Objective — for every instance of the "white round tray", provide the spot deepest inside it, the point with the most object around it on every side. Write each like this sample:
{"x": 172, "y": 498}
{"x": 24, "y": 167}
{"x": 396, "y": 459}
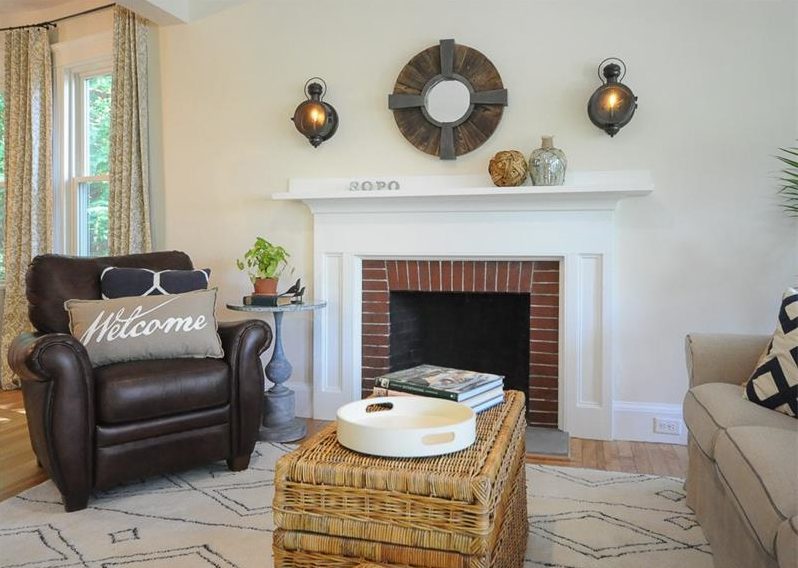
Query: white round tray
{"x": 415, "y": 426}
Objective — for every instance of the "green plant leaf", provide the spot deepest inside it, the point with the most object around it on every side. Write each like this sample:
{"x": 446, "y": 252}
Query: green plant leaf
{"x": 264, "y": 260}
{"x": 789, "y": 179}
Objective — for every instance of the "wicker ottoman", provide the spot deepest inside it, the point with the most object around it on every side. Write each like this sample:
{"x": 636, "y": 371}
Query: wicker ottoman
{"x": 334, "y": 507}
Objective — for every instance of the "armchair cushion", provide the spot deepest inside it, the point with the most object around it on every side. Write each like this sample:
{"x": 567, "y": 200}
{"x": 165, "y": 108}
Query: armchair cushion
{"x": 142, "y": 390}
{"x": 120, "y": 282}
{"x": 147, "y": 327}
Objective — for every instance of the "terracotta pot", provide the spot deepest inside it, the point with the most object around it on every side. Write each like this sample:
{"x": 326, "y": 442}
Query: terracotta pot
{"x": 266, "y": 286}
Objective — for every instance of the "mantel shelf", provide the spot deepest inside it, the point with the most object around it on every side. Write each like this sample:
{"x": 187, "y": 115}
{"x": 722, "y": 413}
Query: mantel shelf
{"x": 582, "y": 191}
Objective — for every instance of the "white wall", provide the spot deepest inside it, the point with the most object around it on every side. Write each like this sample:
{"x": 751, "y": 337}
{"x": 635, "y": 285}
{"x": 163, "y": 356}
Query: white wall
{"x": 709, "y": 251}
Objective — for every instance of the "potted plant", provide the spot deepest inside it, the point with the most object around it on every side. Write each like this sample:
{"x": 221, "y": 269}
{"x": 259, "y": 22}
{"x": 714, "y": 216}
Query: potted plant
{"x": 264, "y": 262}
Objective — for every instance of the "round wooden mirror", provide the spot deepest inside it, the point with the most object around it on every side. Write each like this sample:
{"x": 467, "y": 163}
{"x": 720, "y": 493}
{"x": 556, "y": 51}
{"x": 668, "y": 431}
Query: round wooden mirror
{"x": 448, "y": 100}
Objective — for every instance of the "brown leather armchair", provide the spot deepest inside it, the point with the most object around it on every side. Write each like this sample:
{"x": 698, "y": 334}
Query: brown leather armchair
{"x": 97, "y": 427}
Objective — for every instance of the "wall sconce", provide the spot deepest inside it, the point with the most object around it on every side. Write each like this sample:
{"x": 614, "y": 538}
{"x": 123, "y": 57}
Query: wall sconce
{"x": 314, "y": 118}
{"x": 613, "y": 104}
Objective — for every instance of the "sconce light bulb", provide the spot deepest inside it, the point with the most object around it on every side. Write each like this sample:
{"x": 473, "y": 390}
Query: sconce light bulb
{"x": 317, "y": 117}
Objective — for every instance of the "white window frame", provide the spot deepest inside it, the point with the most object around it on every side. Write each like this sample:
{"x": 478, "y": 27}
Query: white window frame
{"x": 74, "y": 62}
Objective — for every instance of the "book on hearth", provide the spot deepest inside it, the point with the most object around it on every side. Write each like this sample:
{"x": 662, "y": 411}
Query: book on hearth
{"x": 440, "y": 382}
{"x": 478, "y": 402}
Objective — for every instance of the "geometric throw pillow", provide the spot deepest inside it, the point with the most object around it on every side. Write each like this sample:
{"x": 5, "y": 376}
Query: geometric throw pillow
{"x": 147, "y": 327}
{"x": 774, "y": 383}
{"x": 121, "y": 282}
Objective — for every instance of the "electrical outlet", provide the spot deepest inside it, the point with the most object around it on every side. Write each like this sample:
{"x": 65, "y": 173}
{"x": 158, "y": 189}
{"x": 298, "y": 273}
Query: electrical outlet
{"x": 670, "y": 426}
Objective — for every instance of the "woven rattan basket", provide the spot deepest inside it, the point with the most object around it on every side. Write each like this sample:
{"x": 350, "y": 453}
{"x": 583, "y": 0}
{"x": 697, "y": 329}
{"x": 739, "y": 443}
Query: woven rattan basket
{"x": 335, "y": 507}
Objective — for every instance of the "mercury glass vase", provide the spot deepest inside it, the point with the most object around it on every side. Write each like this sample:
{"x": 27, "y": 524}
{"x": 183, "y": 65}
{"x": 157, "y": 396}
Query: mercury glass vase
{"x": 547, "y": 164}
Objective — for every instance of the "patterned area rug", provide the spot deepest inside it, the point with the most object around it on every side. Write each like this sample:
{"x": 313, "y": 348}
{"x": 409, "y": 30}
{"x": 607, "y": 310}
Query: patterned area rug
{"x": 210, "y": 517}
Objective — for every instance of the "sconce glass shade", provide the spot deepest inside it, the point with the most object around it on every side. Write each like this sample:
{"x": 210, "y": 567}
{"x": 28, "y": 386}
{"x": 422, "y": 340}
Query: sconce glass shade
{"x": 313, "y": 118}
{"x": 613, "y": 104}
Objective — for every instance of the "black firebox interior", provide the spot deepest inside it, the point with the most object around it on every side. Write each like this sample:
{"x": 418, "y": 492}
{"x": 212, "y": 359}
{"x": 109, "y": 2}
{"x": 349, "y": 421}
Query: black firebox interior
{"x": 478, "y": 332}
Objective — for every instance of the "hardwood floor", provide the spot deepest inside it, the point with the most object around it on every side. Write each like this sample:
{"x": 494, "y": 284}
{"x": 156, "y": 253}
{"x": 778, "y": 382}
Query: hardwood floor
{"x": 631, "y": 457}
{"x": 18, "y": 469}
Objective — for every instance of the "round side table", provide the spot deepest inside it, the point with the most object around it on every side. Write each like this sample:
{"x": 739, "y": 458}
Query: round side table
{"x": 280, "y": 423}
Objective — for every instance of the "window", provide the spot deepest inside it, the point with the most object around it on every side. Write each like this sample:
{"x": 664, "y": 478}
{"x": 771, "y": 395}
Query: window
{"x": 81, "y": 143}
{"x": 92, "y": 120}
{"x": 92, "y": 175}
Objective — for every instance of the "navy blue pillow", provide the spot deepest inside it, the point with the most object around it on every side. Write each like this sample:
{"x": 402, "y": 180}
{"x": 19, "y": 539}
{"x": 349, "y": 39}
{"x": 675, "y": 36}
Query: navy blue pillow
{"x": 125, "y": 282}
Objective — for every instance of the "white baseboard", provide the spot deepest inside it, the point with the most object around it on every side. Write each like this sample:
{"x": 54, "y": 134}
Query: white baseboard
{"x": 634, "y": 421}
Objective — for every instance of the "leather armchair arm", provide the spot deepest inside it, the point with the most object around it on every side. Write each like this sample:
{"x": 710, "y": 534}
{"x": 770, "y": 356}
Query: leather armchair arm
{"x": 243, "y": 343}
{"x": 58, "y": 391}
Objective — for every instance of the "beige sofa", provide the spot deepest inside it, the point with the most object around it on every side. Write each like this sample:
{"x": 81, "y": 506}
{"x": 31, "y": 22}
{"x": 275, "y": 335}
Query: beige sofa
{"x": 742, "y": 480}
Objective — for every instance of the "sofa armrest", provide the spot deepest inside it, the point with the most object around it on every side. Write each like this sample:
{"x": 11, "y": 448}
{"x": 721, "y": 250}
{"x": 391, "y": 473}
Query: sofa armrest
{"x": 722, "y": 357}
{"x": 243, "y": 343}
{"x": 58, "y": 392}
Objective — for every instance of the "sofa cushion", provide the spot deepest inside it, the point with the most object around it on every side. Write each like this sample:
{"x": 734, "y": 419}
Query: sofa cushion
{"x": 758, "y": 466}
{"x": 141, "y": 390}
{"x": 787, "y": 544}
{"x": 712, "y": 407}
{"x": 774, "y": 383}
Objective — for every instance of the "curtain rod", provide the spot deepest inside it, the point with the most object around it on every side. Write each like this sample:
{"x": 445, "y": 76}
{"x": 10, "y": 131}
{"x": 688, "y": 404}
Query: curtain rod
{"x": 52, "y": 23}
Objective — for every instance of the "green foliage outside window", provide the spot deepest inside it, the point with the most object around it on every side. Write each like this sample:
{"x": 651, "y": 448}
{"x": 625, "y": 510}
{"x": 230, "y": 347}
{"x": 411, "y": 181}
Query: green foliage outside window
{"x": 98, "y": 89}
{"x": 97, "y": 218}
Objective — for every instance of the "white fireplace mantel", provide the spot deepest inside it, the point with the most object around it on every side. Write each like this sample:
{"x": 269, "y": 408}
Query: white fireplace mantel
{"x": 462, "y": 217}
{"x": 586, "y": 191}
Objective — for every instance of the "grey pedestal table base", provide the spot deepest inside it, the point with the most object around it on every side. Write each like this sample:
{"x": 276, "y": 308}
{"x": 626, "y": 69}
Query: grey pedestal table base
{"x": 280, "y": 423}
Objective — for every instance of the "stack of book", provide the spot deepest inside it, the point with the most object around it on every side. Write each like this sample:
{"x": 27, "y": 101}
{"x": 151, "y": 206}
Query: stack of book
{"x": 266, "y": 300}
{"x": 480, "y": 391}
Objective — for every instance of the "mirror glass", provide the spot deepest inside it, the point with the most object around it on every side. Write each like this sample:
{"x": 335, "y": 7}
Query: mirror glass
{"x": 448, "y": 101}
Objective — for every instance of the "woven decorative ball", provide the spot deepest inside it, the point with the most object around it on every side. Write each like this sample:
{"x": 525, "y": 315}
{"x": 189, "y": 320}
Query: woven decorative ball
{"x": 508, "y": 168}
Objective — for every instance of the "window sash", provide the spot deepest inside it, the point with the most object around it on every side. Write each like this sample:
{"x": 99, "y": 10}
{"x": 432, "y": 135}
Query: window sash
{"x": 83, "y": 229}
{"x": 72, "y": 168}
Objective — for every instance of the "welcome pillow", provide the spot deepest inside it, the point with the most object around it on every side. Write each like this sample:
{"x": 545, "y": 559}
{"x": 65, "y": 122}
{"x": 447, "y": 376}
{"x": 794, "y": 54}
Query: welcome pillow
{"x": 774, "y": 383}
{"x": 147, "y": 327}
{"x": 118, "y": 282}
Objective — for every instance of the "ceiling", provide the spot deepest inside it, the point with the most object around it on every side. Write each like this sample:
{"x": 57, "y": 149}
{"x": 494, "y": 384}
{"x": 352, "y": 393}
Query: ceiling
{"x": 15, "y": 6}
{"x": 161, "y": 12}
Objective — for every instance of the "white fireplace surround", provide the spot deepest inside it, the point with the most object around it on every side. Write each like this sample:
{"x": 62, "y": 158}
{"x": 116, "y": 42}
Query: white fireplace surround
{"x": 463, "y": 217}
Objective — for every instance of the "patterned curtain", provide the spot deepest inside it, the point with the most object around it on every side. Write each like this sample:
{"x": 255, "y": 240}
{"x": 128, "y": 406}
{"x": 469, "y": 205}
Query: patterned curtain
{"x": 129, "y": 203}
{"x": 28, "y": 144}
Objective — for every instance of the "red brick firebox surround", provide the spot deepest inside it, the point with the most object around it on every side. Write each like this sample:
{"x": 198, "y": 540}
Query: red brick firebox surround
{"x": 539, "y": 278}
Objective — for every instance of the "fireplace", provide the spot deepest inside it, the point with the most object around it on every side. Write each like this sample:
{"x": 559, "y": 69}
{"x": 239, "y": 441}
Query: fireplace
{"x": 495, "y": 316}
{"x": 486, "y": 234}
